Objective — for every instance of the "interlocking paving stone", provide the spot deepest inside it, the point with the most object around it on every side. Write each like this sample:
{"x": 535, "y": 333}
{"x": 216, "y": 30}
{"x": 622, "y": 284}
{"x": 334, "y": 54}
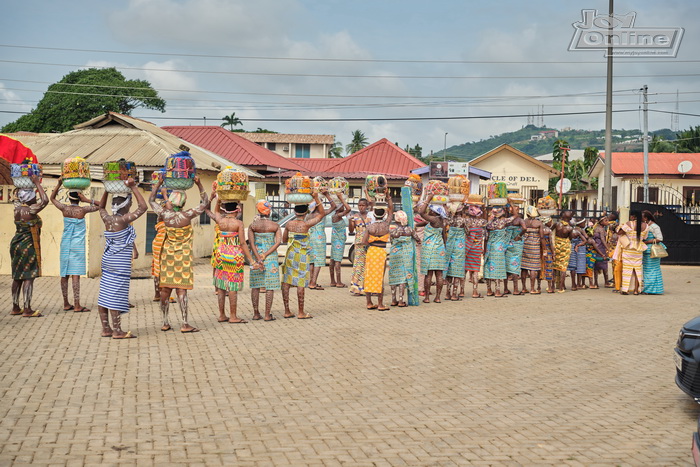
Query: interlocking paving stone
{"x": 581, "y": 378}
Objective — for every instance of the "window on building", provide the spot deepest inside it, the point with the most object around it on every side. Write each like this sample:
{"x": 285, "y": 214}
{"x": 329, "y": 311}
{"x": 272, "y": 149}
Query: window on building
{"x": 302, "y": 151}
{"x": 653, "y": 194}
{"x": 272, "y": 146}
{"x": 204, "y": 219}
{"x": 532, "y": 194}
{"x": 272, "y": 189}
{"x": 355, "y": 191}
{"x": 691, "y": 195}
{"x": 614, "y": 198}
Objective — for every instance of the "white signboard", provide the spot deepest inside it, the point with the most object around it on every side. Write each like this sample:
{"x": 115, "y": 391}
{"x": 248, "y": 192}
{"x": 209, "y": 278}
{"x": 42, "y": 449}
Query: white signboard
{"x": 458, "y": 168}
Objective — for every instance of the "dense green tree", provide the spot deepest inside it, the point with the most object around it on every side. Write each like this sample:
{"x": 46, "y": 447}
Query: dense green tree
{"x": 85, "y": 94}
{"x": 231, "y": 121}
{"x": 689, "y": 140}
{"x": 415, "y": 151}
{"x": 359, "y": 141}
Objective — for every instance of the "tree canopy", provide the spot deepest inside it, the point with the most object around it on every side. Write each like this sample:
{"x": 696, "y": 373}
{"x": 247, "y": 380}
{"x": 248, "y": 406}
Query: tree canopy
{"x": 359, "y": 141}
{"x": 231, "y": 121}
{"x": 84, "y": 94}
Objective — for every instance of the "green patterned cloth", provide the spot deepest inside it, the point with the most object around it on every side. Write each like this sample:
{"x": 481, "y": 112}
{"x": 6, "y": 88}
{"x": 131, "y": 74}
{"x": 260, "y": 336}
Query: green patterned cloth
{"x": 295, "y": 269}
{"x": 269, "y": 278}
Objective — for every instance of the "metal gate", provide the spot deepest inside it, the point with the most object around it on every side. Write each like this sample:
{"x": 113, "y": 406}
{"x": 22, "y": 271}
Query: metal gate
{"x": 681, "y": 237}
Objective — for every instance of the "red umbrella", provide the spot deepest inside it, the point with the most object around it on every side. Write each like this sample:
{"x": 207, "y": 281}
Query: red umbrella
{"x": 15, "y": 152}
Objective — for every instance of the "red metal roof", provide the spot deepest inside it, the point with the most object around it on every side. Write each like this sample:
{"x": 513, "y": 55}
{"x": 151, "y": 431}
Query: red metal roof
{"x": 361, "y": 176}
{"x": 660, "y": 163}
{"x": 231, "y": 146}
{"x": 382, "y": 157}
{"x": 318, "y": 165}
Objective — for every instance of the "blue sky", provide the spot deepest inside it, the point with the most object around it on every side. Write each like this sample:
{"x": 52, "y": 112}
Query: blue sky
{"x": 510, "y": 40}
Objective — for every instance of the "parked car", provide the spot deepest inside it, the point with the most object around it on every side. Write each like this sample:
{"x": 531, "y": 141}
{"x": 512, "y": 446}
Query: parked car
{"x": 349, "y": 251}
{"x": 687, "y": 358}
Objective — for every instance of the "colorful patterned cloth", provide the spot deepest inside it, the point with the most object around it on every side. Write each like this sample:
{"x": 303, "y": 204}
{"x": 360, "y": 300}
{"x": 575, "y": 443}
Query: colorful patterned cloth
{"x": 547, "y": 273}
{"x": 157, "y": 248}
{"x": 358, "y": 266}
{"x": 532, "y": 250}
{"x": 401, "y": 260}
{"x": 25, "y": 250}
{"x": 495, "y": 257}
{"x": 601, "y": 263}
{"x": 228, "y": 262}
{"x": 295, "y": 269}
{"x": 339, "y": 235}
{"x": 455, "y": 251}
{"x": 562, "y": 253}
{"x": 577, "y": 259}
{"x": 433, "y": 253}
{"x": 590, "y": 261}
{"x": 375, "y": 265}
{"x": 474, "y": 246}
{"x": 116, "y": 270}
{"x": 514, "y": 252}
{"x": 269, "y": 278}
{"x": 632, "y": 256}
{"x": 176, "y": 259}
{"x": 653, "y": 280}
{"x": 317, "y": 241}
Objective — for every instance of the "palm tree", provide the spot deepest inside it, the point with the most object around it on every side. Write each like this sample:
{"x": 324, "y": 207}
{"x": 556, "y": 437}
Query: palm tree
{"x": 231, "y": 121}
{"x": 336, "y": 151}
{"x": 359, "y": 141}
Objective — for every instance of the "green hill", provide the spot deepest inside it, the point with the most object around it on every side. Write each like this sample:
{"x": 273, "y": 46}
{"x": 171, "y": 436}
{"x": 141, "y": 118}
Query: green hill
{"x": 623, "y": 140}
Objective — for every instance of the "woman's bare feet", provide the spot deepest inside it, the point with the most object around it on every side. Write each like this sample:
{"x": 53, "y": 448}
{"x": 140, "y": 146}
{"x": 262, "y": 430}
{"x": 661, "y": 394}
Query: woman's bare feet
{"x": 188, "y": 328}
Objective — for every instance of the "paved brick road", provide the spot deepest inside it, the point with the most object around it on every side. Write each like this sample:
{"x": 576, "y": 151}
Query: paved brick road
{"x": 580, "y": 378}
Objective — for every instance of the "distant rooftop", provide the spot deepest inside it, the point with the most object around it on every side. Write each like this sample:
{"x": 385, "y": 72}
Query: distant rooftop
{"x": 287, "y": 138}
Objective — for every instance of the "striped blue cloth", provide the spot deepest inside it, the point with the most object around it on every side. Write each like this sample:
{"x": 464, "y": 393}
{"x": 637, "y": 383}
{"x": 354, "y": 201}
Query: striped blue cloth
{"x": 116, "y": 270}
{"x": 73, "y": 247}
{"x": 651, "y": 271}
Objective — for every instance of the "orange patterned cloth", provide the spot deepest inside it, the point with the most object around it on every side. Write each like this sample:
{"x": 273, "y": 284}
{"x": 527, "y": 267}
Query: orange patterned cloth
{"x": 374, "y": 265}
{"x": 176, "y": 259}
{"x": 157, "y": 248}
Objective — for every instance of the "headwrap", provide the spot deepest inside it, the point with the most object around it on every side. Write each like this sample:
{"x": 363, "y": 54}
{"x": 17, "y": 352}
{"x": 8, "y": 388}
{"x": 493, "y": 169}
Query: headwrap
{"x": 545, "y": 219}
{"x": 25, "y": 195}
{"x": 178, "y": 198}
{"x": 263, "y": 207}
{"x": 580, "y": 221}
{"x": 474, "y": 211}
{"x": 439, "y": 209}
{"x": 117, "y": 206}
{"x": 401, "y": 217}
{"x": 532, "y": 212}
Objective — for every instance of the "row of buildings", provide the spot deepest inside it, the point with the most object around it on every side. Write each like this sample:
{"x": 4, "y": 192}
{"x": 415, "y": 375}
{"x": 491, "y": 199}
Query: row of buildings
{"x": 270, "y": 158}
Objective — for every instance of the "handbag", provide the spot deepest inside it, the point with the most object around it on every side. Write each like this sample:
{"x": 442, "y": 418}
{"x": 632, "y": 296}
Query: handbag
{"x": 658, "y": 251}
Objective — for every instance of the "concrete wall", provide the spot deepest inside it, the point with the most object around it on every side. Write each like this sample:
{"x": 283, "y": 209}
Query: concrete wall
{"x": 515, "y": 171}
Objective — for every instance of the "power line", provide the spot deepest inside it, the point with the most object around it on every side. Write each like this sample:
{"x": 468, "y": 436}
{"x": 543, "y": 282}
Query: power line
{"x": 322, "y": 75}
{"x": 324, "y": 59}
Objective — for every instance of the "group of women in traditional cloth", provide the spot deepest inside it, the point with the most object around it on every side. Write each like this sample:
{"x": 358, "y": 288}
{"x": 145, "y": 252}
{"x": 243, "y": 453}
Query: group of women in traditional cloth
{"x": 450, "y": 245}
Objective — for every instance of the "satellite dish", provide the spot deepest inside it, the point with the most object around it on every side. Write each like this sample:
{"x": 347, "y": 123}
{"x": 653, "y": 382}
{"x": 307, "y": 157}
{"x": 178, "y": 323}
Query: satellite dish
{"x": 563, "y": 185}
{"x": 685, "y": 167}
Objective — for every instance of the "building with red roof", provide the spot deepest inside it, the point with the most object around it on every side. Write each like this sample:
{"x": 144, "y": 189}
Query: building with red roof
{"x": 674, "y": 178}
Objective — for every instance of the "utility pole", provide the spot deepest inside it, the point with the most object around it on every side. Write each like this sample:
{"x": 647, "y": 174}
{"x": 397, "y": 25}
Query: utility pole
{"x": 645, "y": 111}
{"x": 444, "y": 152}
{"x": 607, "y": 178}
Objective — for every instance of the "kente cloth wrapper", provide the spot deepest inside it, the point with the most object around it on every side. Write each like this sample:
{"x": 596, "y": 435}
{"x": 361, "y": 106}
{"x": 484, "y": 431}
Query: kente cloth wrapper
{"x": 357, "y": 281}
{"x": 339, "y": 235}
{"x": 228, "y": 261}
{"x": 176, "y": 259}
{"x": 317, "y": 239}
{"x": 651, "y": 267}
{"x": 495, "y": 257}
{"x": 269, "y": 278}
{"x": 474, "y": 248}
{"x": 577, "y": 260}
{"x": 433, "y": 254}
{"x": 632, "y": 257}
{"x": 562, "y": 253}
{"x": 401, "y": 261}
{"x": 412, "y": 288}
{"x": 547, "y": 272}
{"x": 375, "y": 265}
{"x": 157, "y": 248}
{"x": 514, "y": 252}
{"x": 25, "y": 250}
{"x": 295, "y": 269}
{"x": 72, "y": 258}
{"x": 455, "y": 252}
{"x": 116, "y": 270}
{"x": 532, "y": 250}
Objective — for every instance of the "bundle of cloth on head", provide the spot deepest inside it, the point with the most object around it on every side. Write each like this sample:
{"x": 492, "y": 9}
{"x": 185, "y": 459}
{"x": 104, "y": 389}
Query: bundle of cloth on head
{"x": 264, "y": 207}
{"x": 118, "y": 203}
{"x": 545, "y": 219}
{"x": 439, "y": 209}
{"x": 401, "y": 217}
{"x": 532, "y": 212}
{"x": 25, "y": 195}
{"x": 178, "y": 198}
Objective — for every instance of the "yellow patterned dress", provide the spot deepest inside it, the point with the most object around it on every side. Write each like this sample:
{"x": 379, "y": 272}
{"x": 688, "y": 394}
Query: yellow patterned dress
{"x": 176, "y": 259}
{"x": 375, "y": 264}
{"x": 157, "y": 248}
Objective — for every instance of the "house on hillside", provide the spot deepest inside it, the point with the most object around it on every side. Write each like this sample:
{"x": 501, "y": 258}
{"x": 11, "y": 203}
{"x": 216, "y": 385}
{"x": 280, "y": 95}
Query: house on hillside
{"x": 293, "y": 146}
